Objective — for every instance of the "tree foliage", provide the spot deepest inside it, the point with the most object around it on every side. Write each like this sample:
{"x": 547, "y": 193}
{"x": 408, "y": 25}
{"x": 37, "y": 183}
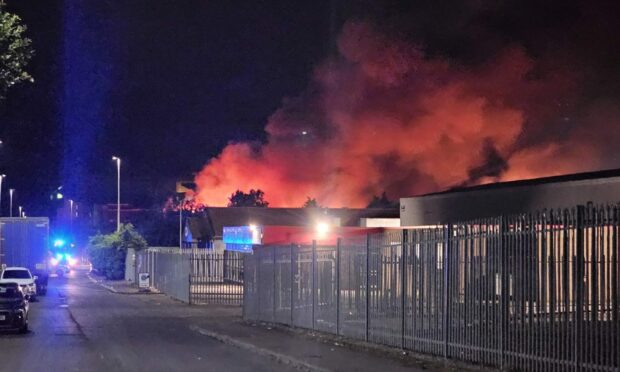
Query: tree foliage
{"x": 15, "y": 51}
{"x": 382, "y": 202}
{"x": 255, "y": 198}
{"x": 107, "y": 252}
{"x": 159, "y": 228}
{"x": 311, "y": 203}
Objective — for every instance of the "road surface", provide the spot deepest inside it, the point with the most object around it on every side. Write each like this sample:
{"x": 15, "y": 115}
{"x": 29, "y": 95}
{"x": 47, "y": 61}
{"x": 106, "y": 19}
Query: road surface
{"x": 80, "y": 326}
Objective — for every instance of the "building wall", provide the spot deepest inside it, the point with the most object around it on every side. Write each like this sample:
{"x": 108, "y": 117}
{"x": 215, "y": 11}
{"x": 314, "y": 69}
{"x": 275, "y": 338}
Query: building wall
{"x": 380, "y": 222}
{"x": 466, "y": 205}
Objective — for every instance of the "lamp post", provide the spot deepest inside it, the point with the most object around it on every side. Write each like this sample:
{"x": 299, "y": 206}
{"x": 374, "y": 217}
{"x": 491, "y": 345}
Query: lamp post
{"x": 118, "y": 192}
{"x": 20, "y": 211}
{"x": 11, "y": 191}
{"x": 71, "y": 216}
{"x": 2, "y": 176}
{"x": 181, "y": 225}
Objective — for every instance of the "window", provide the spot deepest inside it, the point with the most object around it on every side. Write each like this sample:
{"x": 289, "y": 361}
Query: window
{"x": 16, "y": 274}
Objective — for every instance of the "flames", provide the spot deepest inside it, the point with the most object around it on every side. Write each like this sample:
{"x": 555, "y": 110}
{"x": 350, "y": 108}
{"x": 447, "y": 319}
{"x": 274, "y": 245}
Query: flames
{"x": 383, "y": 116}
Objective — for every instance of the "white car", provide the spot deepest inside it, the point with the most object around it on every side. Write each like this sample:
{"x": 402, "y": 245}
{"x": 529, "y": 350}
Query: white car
{"x": 23, "y": 278}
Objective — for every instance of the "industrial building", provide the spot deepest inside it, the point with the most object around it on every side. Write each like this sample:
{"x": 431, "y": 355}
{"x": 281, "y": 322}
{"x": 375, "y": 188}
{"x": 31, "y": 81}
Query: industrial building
{"x": 207, "y": 231}
{"x": 505, "y": 198}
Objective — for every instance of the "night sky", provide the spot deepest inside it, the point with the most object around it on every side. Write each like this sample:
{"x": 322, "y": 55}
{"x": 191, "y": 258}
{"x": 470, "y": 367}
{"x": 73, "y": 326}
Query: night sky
{"x": 166, "y": 85}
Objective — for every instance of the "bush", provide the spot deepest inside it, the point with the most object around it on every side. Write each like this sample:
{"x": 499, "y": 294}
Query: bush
{"x": 107, "y": 253}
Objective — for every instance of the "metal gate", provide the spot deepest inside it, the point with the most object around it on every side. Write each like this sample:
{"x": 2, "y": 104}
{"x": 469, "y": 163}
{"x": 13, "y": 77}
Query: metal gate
{"x": 195, "y": 276}
{"x": 216, "y": 278}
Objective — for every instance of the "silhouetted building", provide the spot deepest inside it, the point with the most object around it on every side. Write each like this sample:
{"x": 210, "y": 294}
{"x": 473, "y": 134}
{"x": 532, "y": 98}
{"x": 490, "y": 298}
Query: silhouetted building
{"x": 207, "y": 230}
{"x": 491, "y": 200}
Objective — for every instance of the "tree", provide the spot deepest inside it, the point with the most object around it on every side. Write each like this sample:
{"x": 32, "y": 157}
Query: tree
{"x": 382, "y": 202}
{"x": 255, "y": 198}
{"x": 311, "y": 203}
{"x": 107, "y": 252}
{"x": 15, "y": 51}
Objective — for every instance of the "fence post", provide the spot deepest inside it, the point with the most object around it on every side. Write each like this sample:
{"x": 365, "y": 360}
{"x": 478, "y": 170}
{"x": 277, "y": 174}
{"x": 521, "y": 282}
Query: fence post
{"x": 245, "y": 292}
{"x": 338, "y": 252}
{"x": 292, "y": 284}
{"x": 504, "y": 288}
{"x": 403, "y": 292}
{"x": 224, "y": 266}
{"x": 614, "y": 288}
{"x": 274, "y": 284}
{"x": 367, "y": 287}
{"x": 580, "y": 235}
{"x": 313, "y": 283}
{"x": 189, "y": 289}
{"x": 258, "y": 253}
{"x": 447, "y": 242}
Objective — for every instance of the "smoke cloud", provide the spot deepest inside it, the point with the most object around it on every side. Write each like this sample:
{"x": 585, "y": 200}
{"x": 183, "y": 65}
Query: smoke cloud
{"x": 383, "y": 116}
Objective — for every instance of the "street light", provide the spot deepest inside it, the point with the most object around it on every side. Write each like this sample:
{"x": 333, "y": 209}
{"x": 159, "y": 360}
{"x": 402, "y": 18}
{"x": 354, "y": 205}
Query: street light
{"x": 2, "y": 176}
{"x": 20, "y": 211}
{"x": 11, "y": 191}
{"x": 71, "y": 215}
{"x": 118, "y": 192}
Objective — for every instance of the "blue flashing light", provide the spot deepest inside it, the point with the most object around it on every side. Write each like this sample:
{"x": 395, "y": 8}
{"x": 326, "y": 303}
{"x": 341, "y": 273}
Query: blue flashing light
{"x": 59, "y": 256}
{"x": 59, "y": 243}
{"x": 245, "y": 235}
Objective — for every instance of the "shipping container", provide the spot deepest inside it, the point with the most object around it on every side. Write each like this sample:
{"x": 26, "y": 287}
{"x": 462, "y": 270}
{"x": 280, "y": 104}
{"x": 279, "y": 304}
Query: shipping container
{"x": 24, "y": 242}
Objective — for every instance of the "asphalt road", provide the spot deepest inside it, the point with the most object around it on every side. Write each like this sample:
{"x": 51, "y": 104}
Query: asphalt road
{"x": 80, "y": 326}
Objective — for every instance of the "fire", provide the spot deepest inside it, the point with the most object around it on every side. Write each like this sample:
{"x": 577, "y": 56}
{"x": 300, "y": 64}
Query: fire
{"x": 383, "y": 116}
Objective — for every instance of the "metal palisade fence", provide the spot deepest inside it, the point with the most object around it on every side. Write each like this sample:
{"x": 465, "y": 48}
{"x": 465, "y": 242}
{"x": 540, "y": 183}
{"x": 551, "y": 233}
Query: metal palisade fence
{"x": 195, "y": 276}
{"x": 526, "y": 292}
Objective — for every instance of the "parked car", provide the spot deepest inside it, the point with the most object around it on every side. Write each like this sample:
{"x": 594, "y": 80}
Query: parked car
{"x": 14, "y": 308}
{"x": 24, "y": 278}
